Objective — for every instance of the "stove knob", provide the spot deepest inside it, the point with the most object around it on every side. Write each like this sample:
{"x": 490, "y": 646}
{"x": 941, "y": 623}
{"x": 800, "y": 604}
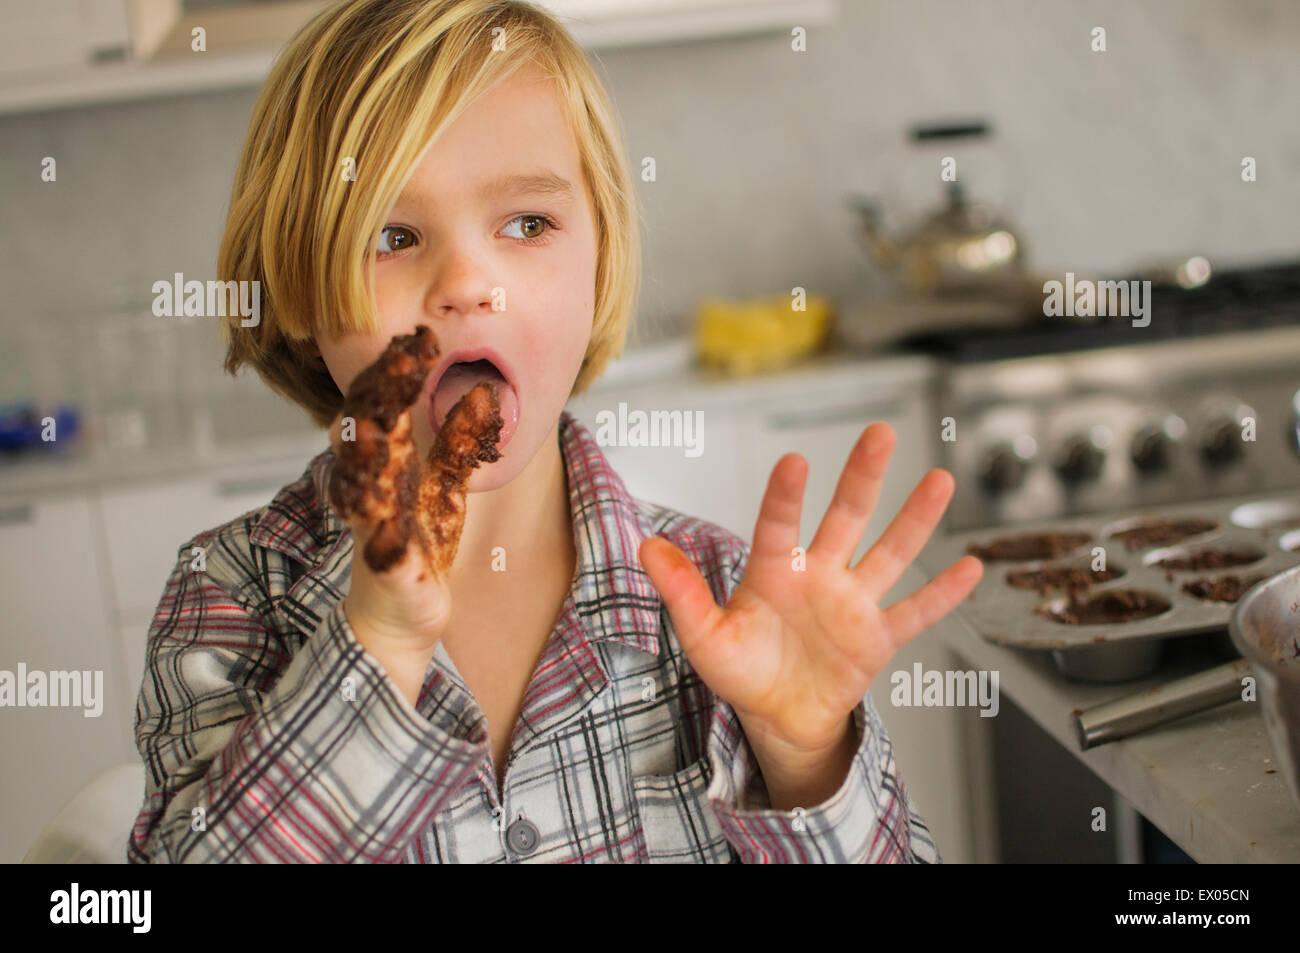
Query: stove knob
{"x": 1152, "y": 449}
{"x": 1221, "y": 442}
{"x": 1005, "y": 465}
{"x": 1081, "y": 457}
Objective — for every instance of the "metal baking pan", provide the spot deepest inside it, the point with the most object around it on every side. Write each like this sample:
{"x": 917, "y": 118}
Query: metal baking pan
{"x": 1266, "y": 526}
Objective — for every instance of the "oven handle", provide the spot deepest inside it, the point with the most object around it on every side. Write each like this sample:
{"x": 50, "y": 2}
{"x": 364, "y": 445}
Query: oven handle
{"x": 1150, "y": 709}
{"x": 864, "y": 411}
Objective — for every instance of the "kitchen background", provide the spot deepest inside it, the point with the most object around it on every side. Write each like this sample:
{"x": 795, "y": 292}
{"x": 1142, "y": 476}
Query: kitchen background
{"x": 1103, "y": 161}
{"x": 1110, "y": 158}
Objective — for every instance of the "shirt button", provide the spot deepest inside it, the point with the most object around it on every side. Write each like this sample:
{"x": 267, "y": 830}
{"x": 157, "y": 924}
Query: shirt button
{"x": 522, "y": 836}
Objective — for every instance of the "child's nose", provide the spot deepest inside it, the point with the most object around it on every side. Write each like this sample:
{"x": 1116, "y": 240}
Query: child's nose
{"x": 463, "y": 285}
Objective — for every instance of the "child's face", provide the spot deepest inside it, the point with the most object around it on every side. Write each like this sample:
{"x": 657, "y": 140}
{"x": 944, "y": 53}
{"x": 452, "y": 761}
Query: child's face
{"x": 457, "y": 239}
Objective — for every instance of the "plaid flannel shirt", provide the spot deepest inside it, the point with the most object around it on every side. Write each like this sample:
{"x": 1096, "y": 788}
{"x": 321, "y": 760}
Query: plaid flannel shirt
{"x": 269, "y": 734}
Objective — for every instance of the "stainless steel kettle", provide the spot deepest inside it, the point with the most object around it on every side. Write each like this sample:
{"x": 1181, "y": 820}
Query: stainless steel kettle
{"x": 963, "y": 247}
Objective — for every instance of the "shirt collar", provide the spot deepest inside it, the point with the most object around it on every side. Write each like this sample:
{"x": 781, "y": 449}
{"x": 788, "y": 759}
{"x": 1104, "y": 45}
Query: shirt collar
{"x": 612, "y": 595}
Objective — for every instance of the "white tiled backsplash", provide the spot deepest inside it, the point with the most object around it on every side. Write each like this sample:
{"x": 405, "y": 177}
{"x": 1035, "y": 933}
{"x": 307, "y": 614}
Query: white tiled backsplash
{"x": 1117, "y": 156}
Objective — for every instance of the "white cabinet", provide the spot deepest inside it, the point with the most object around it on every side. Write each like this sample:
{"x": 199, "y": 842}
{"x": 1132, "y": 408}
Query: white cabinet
{"x": 746, "y": 429}
{"x": 48, "y": 37}
{"x": 80, "y": 576}
{"x": 823, "y": 429}
{"x": 54, "y": 621}
{"x": 705, "y": 479}
{"x": 56, "y": 46}
{"x": 143, "y": 529}
{"x": 145, "y": 526}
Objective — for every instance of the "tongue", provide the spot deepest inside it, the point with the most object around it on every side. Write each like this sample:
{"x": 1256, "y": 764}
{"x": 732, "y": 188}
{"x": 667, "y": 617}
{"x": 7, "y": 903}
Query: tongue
{"x": 460, "y": 379}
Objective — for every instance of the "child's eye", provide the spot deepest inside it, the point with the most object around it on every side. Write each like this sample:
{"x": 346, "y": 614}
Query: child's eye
{"x": 533, "y": 227}
{"x": 405, "y": 238}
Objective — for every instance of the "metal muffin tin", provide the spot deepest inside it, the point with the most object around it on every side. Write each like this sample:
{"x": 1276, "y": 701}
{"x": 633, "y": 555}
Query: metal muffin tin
{"x": 1118, "y": 651}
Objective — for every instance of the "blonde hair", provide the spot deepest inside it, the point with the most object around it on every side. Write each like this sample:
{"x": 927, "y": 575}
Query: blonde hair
{"x": 374, "y": 81}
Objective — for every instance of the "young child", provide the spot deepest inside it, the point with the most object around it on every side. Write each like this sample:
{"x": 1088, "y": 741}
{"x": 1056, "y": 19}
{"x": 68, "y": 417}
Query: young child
{"x": 597, "y": 678}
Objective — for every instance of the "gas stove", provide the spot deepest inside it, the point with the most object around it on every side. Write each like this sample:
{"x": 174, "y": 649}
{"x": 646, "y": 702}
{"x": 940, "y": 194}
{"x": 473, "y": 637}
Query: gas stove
{"x": 1060, "y": 420}
{"x": 1237, "y": 300}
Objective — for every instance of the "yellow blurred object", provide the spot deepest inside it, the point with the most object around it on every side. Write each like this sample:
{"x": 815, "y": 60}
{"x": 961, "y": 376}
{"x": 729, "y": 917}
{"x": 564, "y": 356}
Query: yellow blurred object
{"x": 745, "y": 337}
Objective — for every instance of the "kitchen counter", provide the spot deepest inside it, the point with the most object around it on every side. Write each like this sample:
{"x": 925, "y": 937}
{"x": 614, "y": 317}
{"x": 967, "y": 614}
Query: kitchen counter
{"x": 85, "y": 468}
{"x": 271, "y": 432}
{"x": 670, "y": 367}
{"x": 1201, "y": 779}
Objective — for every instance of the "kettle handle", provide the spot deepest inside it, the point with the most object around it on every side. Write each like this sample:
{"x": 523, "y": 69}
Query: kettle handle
{"x": 924, "y": 132}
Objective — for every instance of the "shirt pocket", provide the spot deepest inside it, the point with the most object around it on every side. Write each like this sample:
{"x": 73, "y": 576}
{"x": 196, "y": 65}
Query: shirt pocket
{"x": 677, "y": 822}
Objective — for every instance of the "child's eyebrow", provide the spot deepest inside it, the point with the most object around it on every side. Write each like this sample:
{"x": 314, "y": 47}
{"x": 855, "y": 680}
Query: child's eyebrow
{"x": 517, "y": 183}
{"x": 533, "y": 183}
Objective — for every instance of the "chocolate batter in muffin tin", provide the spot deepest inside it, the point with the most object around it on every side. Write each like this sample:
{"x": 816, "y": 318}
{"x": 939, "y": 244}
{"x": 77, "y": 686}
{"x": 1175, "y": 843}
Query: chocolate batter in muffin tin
{"x": 1141, "y": 533}
{"x": 1184, "y": 559}
{"x": 1102, "y": 593}
{"x": 1070, "y": 578}
{"x": 1221, "y": 589}
{"x": 1107, "y": 606}
{"x": 1028, "y": 546}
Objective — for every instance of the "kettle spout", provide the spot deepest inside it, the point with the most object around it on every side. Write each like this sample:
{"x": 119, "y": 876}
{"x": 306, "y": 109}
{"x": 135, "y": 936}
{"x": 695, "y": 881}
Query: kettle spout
{"x": 883, "y": 249}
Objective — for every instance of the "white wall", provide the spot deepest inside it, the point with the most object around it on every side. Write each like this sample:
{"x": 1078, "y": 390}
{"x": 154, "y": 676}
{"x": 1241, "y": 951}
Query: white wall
{"x": 1102, "y": 158}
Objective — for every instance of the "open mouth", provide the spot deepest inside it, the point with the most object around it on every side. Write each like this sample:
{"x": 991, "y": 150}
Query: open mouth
{"x": 460, "y": 377}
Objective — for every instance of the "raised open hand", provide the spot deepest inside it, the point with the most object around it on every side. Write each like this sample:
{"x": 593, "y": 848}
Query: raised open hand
{"x": 800, "y": 641}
